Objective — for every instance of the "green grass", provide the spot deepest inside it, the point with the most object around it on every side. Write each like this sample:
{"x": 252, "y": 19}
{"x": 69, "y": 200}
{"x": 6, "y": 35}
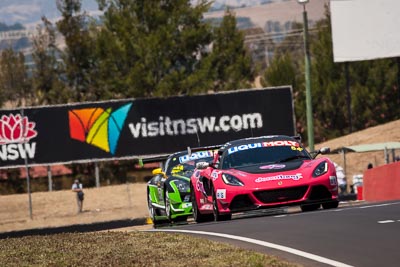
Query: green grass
{"x": 127, "y": 249}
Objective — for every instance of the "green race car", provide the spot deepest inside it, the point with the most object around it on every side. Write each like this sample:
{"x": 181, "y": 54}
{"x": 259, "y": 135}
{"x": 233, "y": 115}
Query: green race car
{"x": 168, "y": 192}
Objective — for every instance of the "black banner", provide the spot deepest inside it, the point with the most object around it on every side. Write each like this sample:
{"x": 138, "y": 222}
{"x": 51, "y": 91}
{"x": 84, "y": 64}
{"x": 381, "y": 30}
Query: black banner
{"x": 130, "y": 128}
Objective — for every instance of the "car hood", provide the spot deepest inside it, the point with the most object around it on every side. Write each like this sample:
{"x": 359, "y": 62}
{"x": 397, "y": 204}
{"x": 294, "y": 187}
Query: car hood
{"x": 289, "y": 173}
{"x": 272, "y": 168}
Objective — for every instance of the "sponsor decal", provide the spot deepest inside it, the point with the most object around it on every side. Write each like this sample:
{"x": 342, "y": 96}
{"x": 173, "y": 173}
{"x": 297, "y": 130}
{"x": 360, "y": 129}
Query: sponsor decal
{"x": 98, "y": 127}
{"x": 294, "y": 177}
{"x": 273, "y": 167}
{"x": 263, "y": 144}
{"x": 16, "y": 131}
{"x": 196, "y": 155}
{"x": 221, "y": 194}
{"x": 199, "y": 186}
{"x": 214, "y": 174}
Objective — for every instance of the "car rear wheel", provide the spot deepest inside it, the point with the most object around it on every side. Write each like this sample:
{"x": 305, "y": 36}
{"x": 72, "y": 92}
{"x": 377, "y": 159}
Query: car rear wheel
{"x": 309, "y": 207}
{"x": 217, "y": 215}
{"x": 197, "y": 216}
{"x": 330, "y": 205}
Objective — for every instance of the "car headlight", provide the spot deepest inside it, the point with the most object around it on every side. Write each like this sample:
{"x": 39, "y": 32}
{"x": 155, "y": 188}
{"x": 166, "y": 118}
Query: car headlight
{"x": 181, "y": 185}
{"x": 231, "y": 180}
{"x": 320, "y": 169}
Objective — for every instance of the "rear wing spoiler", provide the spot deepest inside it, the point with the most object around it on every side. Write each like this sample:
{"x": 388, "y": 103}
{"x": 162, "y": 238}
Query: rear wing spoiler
{"x": 163, "y": 157}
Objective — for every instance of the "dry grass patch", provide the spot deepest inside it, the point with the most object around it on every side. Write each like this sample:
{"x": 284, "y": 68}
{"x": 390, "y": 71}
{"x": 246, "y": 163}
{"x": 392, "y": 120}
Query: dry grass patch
{"x": 127, "y": 249}
{"x": 59, "y": 208}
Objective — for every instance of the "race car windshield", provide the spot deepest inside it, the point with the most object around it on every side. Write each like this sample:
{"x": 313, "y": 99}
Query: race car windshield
{"x": 186, "y": 163}
{"x": 262, "y": 155}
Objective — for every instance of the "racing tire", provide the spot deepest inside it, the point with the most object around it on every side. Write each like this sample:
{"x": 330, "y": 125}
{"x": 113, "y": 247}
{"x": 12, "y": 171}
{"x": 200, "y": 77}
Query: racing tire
{"x": 309, "y": 207}
{"x": 330, "y": 205}
{"x": 197, "y": 216}
{"x": 152, "y": 212}
{"x": 217, "y": 215}
{"x": 167, "y": 202}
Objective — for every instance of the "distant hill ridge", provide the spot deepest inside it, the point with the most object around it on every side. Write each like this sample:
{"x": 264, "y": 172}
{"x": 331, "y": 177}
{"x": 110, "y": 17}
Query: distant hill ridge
{"x": 28, "y": 12}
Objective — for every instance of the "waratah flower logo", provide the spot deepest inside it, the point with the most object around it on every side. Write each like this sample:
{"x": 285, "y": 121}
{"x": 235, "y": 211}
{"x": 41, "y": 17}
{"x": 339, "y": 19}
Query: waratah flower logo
{"x": 16, "y": 129}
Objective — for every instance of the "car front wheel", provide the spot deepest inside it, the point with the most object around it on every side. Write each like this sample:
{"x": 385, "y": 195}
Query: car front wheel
{"x": 197, "y": 216}
{"x": 217, "y": 215}
{"x": 167, "y": 202}
{"x": 152, "y": 211}
{"x": 309, "y": 207}
{"x": 330, "y": 205}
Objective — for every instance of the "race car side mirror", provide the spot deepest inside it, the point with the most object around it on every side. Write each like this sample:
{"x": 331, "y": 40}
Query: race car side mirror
{"x": 202, "y": 165}
{"x": 322, "y": 151}
{"x": 158, "y": 171}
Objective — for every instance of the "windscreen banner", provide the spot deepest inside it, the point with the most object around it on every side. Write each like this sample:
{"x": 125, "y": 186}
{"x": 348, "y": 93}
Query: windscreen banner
{"x": 133, "y": 128}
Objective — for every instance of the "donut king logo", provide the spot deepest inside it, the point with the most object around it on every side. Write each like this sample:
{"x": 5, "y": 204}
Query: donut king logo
{"x": 16, "y": 131}
{"x": 98, "y": 127}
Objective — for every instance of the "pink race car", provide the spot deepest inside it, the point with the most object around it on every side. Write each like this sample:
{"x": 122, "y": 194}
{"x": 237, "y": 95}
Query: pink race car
{"x": 262, "y": 172}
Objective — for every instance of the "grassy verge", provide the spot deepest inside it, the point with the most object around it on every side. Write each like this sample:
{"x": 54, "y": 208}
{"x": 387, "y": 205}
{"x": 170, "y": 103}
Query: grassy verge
{"x": 127, "y": 249}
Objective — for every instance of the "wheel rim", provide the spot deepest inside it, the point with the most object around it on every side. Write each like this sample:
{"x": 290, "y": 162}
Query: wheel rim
{"x": 215, "y": 206}
{"x": 151, "y": 209}
{"x": 194, "y": 205}
{"x": 167, "y": 206}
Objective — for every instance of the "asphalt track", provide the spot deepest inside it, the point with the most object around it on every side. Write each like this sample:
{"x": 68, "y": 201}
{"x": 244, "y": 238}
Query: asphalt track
{"x": 366, "y": 235}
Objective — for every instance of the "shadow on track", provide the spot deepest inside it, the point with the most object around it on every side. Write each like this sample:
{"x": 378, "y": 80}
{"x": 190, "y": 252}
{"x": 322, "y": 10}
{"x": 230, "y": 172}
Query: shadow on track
{"x": 78, "y": 228}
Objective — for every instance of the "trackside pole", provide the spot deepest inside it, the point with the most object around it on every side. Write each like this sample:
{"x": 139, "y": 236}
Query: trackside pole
{"x": 50, "y": 178}
{"x": 97, "y": 173}
{"x": 28, "y": 181}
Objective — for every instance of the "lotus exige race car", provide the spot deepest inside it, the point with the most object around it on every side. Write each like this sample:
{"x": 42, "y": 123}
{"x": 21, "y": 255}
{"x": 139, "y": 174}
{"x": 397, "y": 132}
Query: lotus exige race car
{"x": 168, "y": 192}
{"x": 262, "y": 172}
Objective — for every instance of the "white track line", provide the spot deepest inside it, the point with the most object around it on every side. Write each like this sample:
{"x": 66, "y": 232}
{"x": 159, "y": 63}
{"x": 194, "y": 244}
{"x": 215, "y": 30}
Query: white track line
{"x": 387, "y": 221}
{"x": 265, "y": 244}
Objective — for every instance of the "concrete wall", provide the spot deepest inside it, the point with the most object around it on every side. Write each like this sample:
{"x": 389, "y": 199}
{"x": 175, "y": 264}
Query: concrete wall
{"x": 382, "y": 183}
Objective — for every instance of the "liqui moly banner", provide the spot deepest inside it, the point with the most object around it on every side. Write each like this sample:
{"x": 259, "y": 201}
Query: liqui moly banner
{"x": 131, "y": 128}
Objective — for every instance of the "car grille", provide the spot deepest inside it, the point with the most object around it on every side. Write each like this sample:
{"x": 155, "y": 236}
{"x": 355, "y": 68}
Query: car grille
{"x": 241, "y": 202}
{"x": 320, "y": 192}
{"x": 281, "y": 195}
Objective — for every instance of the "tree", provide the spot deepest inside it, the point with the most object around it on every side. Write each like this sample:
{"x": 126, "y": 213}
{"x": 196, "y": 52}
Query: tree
{"x": 46, "y": 75}
{"x": 153, "y": 48}
{"x": 14, "y": 82}
{"x": 78, "y": 54}
{"x": 229, "y": 58}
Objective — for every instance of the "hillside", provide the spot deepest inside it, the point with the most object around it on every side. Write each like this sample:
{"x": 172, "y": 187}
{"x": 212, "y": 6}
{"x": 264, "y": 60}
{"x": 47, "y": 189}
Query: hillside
{"x": 356, "y": 163}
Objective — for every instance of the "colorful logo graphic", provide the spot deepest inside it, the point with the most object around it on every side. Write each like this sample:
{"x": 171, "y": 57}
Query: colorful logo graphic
{"x": 98, "y": 127}
{"x": 16, "y": 129}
